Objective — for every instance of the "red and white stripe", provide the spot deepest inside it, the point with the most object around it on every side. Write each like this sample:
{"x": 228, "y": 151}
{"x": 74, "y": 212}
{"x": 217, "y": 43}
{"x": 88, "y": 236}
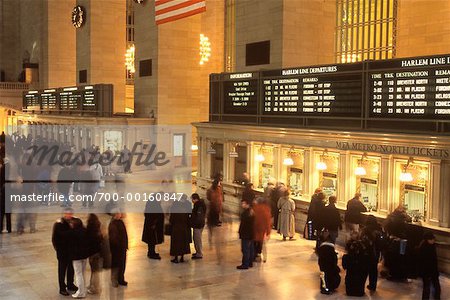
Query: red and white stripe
{"x": 171, "y": 10}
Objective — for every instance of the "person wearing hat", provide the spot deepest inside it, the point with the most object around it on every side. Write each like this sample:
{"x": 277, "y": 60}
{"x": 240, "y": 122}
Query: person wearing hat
{"x": 428, "y": 266}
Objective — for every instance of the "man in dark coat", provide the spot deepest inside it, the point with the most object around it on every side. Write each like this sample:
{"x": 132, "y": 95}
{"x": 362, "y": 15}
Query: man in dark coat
{"x": 315, "y": 210}
{"x": 153, "y": 233}
{"x": 247, "y": 235}
{"x": 248, "y": 194}
{"x": 332, "y": 219}
{"x": 198, "y": 217}
{"x": 181, "y": 236}
{"x": 428, "y": 266}
{"x": 329, "y": 270}
{"x": 118, "y": 243}
{"x": 353, "y": 215}
{"x": 61, "y": 243}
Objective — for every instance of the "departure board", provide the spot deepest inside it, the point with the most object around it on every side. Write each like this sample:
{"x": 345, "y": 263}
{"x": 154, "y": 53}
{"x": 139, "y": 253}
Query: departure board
{"x": 49, "y": 100}
{"x": 240, "y": 93}
{"x": 89, "y": 102}
{"x": 416, "y": 88}
{"x": 333, "y": 90}
{"x": 31, "y": 100}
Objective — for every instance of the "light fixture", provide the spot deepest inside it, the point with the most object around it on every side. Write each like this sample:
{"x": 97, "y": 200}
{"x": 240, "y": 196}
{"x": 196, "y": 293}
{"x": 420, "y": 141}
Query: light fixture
{"x": 194, "y": 147}
{"x": 205, "y": 49}
{"x": 406, "y": 176}
{"x": 321, "y": 165}
{"x": 260, "y": 156}
{"x": 360, "y": 170}
{"x": 287, "y": 161}
{"x": 129, "y": 59}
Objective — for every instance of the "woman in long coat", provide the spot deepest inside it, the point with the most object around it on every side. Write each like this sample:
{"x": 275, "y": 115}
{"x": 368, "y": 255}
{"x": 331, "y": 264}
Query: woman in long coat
{"x": 181, "y": 236}
{"x": 286, "y": 220}
{"x": 263, "y": 226}
{"x": 215, "y": 198}
{"x": 153, "y": 232}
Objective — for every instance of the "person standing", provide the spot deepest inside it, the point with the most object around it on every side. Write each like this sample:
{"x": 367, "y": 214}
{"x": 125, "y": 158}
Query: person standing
{"x": 215, "y": 198}
{"x": 372, "y": 235}
{"x": 80, "y": 252}
{"x": 356, "y": 263}
{"x": 65, "y": 180}
{"x": 198, "y": 217}
{"x": 3, "y": 177}
{"x": 328, "y": 265}
{"x": 286, "y": 219}
{"x": 263, "y": 226}
{"x": 180, "y": 237}
{"x": 248, "y": 194}
{"x": 118, "y": 243}
{"x": 95, "y": 239}
{"x": 246, "y": 234}
{"x": 428, "y": 266}
{"x": 60, "y": 241}
{"x": 353, "y": 217}
{"x": 125, "y": 159}
{"x": 153, "y": 232}
{"x": 316, "y": 205}
{"x": 332, "y": 219}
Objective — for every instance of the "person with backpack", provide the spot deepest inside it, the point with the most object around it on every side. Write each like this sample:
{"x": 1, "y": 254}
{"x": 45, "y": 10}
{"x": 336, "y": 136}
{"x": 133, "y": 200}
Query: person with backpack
{"x": 375, "y": 239}
{"x": 355, "y": 262}
{"x": 329, "y": 270}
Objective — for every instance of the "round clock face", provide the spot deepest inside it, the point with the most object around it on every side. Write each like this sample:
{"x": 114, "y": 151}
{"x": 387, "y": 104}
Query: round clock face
{"x": 78, "y": 16}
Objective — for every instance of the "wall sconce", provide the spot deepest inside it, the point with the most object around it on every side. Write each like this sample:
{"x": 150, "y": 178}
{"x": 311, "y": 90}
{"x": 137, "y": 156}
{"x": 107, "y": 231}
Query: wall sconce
{"x": 288, "y": 161}
{"x": 360, "y": 170}
{"x": 205, "y": 49}
{"x": 404, "y": 175}
{"x": 321, "y": 165}
{"x": 194, "y": 147}
{"x": 129, "y": 59}
{"x": 260, "y": 156}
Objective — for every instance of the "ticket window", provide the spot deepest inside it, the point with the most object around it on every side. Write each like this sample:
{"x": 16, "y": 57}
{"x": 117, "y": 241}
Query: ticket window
{"x": 264, "y": 165}
{"x": 366, "y": 172}
{"x": 293, "y": 170}
{"x": 414, "y": 180}
{"x": 327, "y": 165}
{"x": 216, "y": 160}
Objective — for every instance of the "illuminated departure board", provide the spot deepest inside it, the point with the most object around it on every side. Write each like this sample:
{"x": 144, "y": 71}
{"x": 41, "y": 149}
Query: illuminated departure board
{"x": 240, "y": 93}
{"x": 410, "y": 88}
{"x": 334, "y": 90}
{"x": 80, "y": 100}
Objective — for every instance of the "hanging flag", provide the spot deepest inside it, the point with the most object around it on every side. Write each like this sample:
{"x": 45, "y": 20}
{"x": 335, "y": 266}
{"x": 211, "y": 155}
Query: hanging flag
{"x": 171, "y": 10}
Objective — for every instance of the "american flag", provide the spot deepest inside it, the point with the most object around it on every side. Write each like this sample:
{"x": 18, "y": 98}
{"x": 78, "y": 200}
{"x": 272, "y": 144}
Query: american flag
{"x": 171, "y": 10}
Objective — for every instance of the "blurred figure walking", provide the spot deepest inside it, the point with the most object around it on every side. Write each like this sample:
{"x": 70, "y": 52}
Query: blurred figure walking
{"x": 118, "y": 243}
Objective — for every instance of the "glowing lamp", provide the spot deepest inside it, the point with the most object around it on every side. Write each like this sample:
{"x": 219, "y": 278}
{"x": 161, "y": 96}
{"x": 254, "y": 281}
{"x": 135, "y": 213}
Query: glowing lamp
{"x": 360, "y": 171}
{"x": 321, "y": 166}
{"x": 406, "y": 177}
{"x": 288, "y": 161}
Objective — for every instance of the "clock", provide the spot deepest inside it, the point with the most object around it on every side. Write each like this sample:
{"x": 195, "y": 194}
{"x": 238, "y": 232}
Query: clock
{"x": 78, "y": 16}
{"x": 139, "y": 1}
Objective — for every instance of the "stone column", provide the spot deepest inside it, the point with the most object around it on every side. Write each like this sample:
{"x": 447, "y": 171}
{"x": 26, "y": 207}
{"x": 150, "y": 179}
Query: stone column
{"x": 385, "y": 182}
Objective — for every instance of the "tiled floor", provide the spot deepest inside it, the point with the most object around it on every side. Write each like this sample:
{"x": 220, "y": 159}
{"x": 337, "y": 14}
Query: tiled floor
{"x": 28, "y": 270}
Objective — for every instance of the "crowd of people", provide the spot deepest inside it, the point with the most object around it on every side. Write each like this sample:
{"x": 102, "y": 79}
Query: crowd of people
{"x": 366, "y": 241}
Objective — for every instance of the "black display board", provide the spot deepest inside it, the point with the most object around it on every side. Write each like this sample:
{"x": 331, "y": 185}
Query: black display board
{"x": 413, "y": 88}
{"x": 83, "y": 100}
{"x": 407, "y": 94}
{"x": 240, "y": 93}
{"x": 333, "y": 90}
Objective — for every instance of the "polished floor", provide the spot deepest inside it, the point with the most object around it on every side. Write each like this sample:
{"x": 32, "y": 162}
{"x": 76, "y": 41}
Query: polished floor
{"x": 28, "y": 270}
